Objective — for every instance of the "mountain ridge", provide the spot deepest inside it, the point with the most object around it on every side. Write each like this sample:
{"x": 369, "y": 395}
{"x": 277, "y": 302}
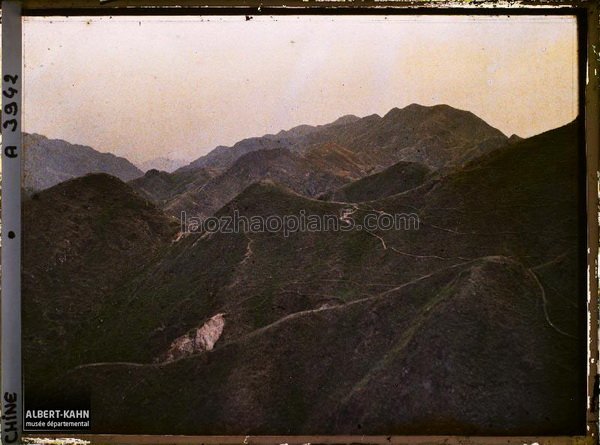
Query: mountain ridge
{"x": 222, "y": 156}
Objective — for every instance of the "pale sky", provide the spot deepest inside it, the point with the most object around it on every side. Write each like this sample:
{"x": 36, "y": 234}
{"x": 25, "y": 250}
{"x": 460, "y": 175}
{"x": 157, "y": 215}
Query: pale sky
{"x": 178, "y": 87}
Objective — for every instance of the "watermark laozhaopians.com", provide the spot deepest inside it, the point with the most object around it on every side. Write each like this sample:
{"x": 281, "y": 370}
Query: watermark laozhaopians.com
{"x": 302, "y": 221}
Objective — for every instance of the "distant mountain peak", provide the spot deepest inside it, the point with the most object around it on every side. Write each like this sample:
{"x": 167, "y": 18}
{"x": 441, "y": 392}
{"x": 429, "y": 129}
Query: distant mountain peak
{"x": 162, "y": 163}
{"x": 344, "y": 120}
{"x": 418, "y": 108}
{"x": 392, "y": 112}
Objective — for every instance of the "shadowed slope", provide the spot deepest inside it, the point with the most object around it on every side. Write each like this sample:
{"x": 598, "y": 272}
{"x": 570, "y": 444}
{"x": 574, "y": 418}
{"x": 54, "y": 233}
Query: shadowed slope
{"x": 83, "y": 239}
{"x": 424, "y": 358}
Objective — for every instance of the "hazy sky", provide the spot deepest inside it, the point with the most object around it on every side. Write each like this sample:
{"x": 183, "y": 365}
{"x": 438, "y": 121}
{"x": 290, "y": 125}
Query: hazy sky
{"x": 178, "y": 87}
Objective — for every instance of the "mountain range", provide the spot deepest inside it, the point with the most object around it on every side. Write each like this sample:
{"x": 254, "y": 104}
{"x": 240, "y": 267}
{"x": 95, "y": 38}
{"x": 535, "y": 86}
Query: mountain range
{"x": 48, "y": 162}
{"x": 315, "y": 160}
{"x": 471, "y": 324}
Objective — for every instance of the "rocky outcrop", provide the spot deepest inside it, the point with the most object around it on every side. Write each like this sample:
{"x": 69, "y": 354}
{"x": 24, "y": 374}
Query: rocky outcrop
{"x": 198, "y": 340}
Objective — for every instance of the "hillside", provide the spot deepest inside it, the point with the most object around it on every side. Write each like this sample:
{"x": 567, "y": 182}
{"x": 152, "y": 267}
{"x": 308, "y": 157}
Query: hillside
{"x": 332, "y": 369}
{"x": 48, "y": 162}
{"x": 396, "y": 179}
